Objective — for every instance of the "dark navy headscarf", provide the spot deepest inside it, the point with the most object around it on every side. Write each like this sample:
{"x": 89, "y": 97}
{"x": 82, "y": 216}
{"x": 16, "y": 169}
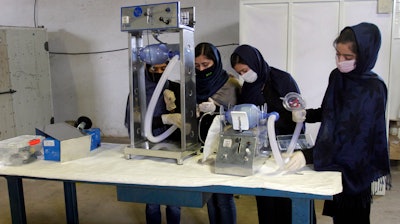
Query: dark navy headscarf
{"x": 279, "y": 80}
{"x": 270, "y": 86}
{"x": 252, "y": 92}
{"x": 208, "y": 84}
{"x": 352, "y": 138}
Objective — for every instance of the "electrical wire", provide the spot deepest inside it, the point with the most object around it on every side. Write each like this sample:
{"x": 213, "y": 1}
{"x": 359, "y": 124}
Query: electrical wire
{"x": 34, "y": 14}
{"x": 83, "y": 53}
{"x": 199, "y": 125}
{"x": 225, "y": 45}
{"x": 155, "y": 36}
{"x": 121, "y": 49}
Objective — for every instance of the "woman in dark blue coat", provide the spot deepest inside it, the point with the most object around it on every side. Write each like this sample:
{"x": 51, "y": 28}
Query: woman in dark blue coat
{"x": 352, "y": 138}
{"x": 215, "y": 88}
{"x": 265, "y": 84}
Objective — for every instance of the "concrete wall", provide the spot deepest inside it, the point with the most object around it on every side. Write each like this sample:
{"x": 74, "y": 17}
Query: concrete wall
{"x": 96, "y": 85}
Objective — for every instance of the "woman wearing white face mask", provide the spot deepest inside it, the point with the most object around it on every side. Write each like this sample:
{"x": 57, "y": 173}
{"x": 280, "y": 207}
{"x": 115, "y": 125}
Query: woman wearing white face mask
{"x": 352, "y": 136}
{"x": 265, "y": 84}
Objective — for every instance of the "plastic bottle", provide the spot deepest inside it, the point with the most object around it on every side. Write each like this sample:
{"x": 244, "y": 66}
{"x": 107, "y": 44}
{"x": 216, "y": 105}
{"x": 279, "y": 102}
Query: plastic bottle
{"x": 254, "y": 114}
{"x": 155, "y": 54}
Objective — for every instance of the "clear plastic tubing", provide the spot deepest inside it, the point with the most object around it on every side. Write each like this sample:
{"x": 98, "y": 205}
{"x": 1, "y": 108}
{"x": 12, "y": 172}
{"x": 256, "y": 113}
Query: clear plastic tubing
{"x": 148, "y": 120}
{"x": 293, "y": 141}
{"x": 272, "y": 139}
{"x": 292, "y": 102}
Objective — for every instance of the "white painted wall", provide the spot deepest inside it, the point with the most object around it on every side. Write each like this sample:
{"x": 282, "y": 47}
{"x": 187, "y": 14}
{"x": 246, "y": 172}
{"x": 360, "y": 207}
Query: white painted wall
{"x": 96, "y": 85}
{"x": 297, "y": 36}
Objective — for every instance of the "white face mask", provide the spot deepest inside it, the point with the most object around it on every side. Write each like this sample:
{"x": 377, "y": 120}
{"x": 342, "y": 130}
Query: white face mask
{"x": 250, "y": 76}
{"x": 346, "y": 66}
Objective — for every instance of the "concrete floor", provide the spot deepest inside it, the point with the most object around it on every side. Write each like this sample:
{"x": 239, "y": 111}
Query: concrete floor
{"x": 97, "y": 204}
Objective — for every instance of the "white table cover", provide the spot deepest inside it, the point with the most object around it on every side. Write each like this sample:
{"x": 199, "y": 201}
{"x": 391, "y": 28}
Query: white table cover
{"x": 107, "y": 164}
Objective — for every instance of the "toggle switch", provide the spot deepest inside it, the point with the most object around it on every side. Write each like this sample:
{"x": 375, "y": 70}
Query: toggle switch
{"x": 248, "y": 151}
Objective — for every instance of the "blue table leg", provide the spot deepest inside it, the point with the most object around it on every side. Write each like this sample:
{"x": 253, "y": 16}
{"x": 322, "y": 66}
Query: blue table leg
{"x": 17, "y": 202}
{"x": 302, "y": 210}
{"x": 71, "y": 204}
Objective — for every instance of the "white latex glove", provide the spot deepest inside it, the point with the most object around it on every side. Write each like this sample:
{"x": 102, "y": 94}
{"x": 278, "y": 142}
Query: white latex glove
{"x": 197, "y": 111}
{"x": 299, "y": 115}
{"x": 172, "y": 119}
{"x": 208, "y": 106}
{"x": 296, "y": 161}
{"x": 169, "y": 99}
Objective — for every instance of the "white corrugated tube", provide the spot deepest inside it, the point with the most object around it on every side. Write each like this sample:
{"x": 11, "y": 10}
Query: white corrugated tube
{"x": 148, "y": 120}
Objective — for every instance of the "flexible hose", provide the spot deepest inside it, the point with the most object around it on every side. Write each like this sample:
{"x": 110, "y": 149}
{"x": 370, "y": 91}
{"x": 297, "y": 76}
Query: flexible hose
{"x": 272, "y": 139}
{"x": 148, "y": 120}
{"x": 293, "y": 141}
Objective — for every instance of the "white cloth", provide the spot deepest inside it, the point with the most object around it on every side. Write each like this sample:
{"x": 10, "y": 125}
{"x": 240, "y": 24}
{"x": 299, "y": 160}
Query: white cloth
{"x": 211, "y": 143}
{"x": 107, "y": 164}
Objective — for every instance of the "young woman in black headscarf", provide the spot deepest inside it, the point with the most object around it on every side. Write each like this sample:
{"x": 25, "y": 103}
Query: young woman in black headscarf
{"x": 352, "y": 138}
{"x": 215, "y": 88}
{"x": 265, "y": 84}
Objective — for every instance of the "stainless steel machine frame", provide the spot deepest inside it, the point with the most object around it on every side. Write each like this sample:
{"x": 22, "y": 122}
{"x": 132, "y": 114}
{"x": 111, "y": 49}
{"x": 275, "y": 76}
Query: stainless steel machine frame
{"x": 145, "y": 20}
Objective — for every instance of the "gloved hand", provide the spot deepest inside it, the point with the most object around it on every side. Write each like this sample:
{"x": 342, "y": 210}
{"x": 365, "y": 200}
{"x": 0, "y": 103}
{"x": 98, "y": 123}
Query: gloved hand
{"x": 197, "y": 111}
{"x": 299, "y": 115}
{"x": 296, "y": 161}
{"x": 208, "y": 106}
{"x": 172, "y": 119}
{"x": 169, "y": 99}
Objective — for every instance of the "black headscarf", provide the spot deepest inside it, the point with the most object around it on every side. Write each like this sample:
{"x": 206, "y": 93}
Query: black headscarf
{"x": 352, "y": 138}
{"x": 208, "y": 84}
{"x": 252, "y": 92}
{"x": 270, "y": 86}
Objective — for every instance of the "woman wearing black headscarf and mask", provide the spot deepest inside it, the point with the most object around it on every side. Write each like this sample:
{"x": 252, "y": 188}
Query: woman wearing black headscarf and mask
{"x": 166, "y": 113}
{"x": 265, "y": 84}
{"x": 352, "y": 137}
{"x": 215, "y": 88}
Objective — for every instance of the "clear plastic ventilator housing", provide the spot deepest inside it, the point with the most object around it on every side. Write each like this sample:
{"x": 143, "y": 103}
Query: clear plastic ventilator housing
{"x": 245, "y": 116}
{"x": 293, "y": 101}
{"x": 156, "y": 54}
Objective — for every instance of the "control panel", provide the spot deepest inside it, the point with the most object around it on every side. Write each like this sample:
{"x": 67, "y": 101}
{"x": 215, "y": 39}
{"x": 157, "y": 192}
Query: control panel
{"x": 154, "y": 17}
{"x": 238, "y": 154}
